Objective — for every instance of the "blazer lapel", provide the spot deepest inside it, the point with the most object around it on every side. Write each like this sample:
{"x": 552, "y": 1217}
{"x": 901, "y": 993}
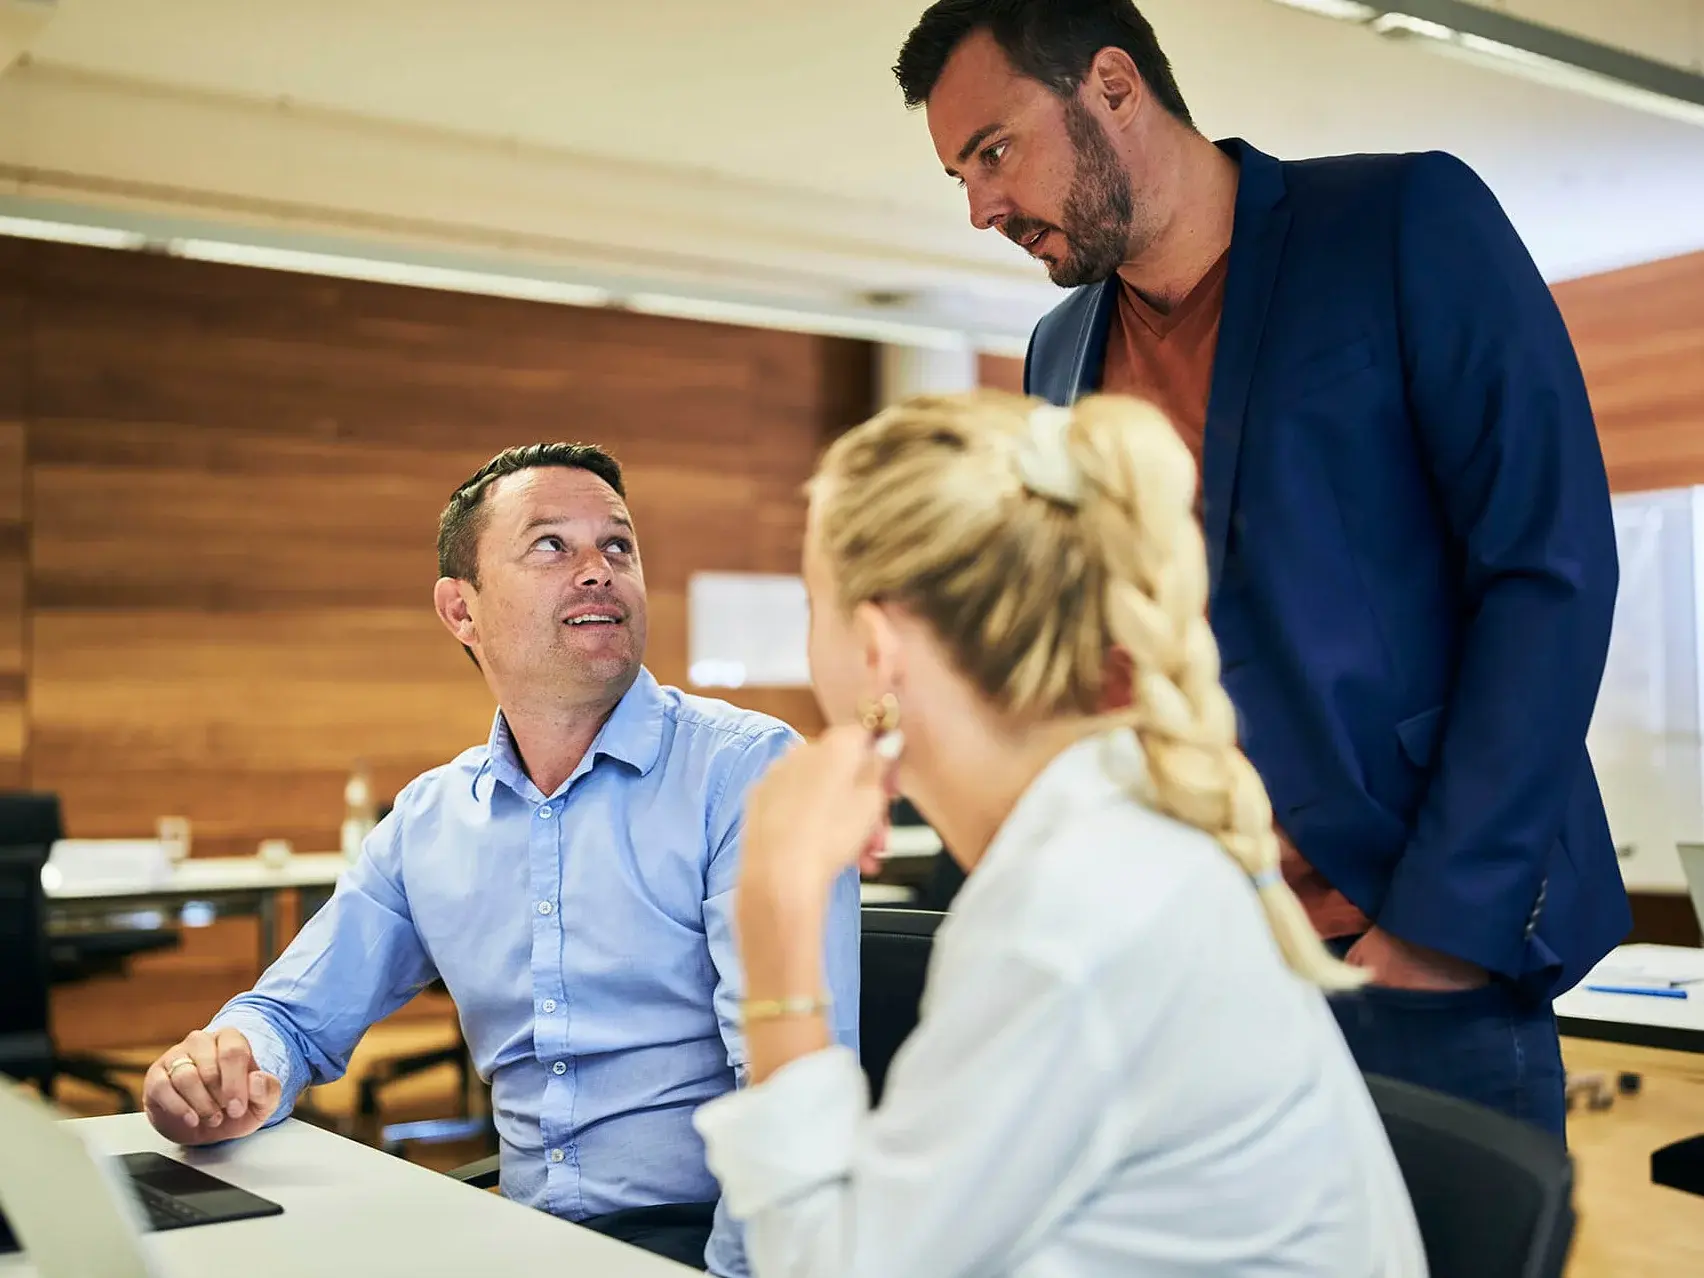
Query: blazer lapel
{"x": 1257, "y": 247}
{"x": 1091, "y": 342}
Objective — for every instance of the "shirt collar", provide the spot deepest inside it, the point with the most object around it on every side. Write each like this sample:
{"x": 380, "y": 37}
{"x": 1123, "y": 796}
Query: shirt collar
{"x": 1103, "y": 768}
{"x": 633, "y": 734}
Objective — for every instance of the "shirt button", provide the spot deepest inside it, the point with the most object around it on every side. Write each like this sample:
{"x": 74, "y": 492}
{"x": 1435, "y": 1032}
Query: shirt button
{"x": 546, "y": 812}
{"x": 556, "y": 1155}
{"x": 544, "y": 907}
{"x": 549, "y": 1005}
{"x": 559, "y": 1068}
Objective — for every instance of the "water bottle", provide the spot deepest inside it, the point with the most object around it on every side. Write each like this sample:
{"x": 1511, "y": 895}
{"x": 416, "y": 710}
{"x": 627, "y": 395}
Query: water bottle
{"x": 358, "y": 813}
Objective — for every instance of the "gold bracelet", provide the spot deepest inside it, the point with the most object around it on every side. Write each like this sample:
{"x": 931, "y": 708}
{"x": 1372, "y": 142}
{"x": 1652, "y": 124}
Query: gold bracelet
{"x": 774, "y": 1009}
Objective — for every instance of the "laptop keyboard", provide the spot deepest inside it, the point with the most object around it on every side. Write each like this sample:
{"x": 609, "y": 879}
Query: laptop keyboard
{"x": 165, "y": 1212}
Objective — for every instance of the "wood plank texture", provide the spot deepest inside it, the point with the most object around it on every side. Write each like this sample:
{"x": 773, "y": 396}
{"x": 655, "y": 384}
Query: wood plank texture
{"x": 1640, "y": 337}
{"x": 1000, "y": 372}
{"x": 233, "y": 479}
{"x": 218, "y": 490}
{"x": 14, "y": 522}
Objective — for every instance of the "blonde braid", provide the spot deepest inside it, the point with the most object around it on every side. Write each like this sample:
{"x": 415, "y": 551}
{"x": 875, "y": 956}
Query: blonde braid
{"x": 1139, "y": 511}
{"x": 1033, "y": 540}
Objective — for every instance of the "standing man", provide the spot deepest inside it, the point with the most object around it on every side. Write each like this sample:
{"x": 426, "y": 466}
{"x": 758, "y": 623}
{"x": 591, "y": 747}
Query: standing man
{"x": 1406, "y": 513}
{"x": 571, "y": 880}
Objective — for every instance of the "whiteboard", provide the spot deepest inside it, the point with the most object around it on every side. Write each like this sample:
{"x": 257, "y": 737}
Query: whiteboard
{"x": 1644, "y": 738}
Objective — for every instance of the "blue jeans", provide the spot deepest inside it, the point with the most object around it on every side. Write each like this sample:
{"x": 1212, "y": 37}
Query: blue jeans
{"x": 1496, "y": 1046}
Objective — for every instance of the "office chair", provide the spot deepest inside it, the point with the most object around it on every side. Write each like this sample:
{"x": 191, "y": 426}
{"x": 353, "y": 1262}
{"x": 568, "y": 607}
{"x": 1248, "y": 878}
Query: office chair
{"x": 1680, "y": 1165}
{"x": 1493, "y": 1196}
{"x": 481, "y": 1174}
{"x": 393, "y": 1137}
{"x": 34, "y": 961}
{"x": 895, "y": 946}
{"x": 26, "y": 1046}
{"x": 940, "y": 880}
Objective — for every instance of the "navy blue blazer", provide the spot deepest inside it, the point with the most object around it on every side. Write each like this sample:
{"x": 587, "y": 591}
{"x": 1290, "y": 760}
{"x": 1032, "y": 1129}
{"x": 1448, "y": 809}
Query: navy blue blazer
{"x": 1411, "y": 552}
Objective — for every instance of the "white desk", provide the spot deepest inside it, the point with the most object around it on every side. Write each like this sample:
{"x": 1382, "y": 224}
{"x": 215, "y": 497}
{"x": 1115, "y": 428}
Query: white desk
{"x": 210, "y": 876}
{"x": 1640, "y": 1020}
{"x": 907, "y": 842}
{"x": 348, "y": 1209}
{"x": 886, "y": 894}
{"x": 234, "y": 884}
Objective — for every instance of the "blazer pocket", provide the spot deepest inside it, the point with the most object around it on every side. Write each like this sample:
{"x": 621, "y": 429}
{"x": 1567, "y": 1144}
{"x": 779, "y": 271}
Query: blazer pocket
{"x": 1326, "y": 368}
{"x": 1419, "y": 736}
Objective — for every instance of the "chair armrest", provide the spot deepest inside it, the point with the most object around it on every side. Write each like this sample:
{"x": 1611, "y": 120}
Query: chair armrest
{"x": 481, "y": 1174}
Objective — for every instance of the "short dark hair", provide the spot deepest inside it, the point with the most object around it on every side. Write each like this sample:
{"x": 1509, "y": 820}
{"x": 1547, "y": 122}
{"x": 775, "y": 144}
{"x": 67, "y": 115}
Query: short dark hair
{"x": 1052, "y": 41}
{"x": 463, "y": 520}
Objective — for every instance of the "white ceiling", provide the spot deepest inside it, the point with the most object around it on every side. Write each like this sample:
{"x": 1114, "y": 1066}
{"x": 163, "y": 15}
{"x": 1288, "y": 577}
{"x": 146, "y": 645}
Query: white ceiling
{"x": 795, "y": 97}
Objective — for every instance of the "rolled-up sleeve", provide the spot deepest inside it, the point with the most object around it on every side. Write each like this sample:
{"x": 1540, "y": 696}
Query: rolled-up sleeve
{"x": 355, "y": 962}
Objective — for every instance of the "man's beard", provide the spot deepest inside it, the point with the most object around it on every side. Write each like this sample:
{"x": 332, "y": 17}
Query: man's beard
{"x": 1098, "y": 211}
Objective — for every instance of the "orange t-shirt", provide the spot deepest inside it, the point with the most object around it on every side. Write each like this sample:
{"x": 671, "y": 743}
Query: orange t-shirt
{"x": 1167, "y": 357}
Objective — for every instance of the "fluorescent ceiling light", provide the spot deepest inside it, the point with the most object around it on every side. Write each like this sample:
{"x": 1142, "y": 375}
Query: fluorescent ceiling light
{"x": 1502, "y": 42}
{"x": 1399, "y": 25}
{"x": 1346, "y": 10}
{"x": 380, "y": 271}
{"x": 31, "y": 228}
{"x": 869, "y": 328}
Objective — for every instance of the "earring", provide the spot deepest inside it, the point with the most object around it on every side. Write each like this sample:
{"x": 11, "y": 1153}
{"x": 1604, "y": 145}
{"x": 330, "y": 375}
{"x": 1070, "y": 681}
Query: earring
{"x": 881, "y": 717}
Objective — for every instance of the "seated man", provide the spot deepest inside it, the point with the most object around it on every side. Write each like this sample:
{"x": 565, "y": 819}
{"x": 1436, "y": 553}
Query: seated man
{"x": 571, "y": 881}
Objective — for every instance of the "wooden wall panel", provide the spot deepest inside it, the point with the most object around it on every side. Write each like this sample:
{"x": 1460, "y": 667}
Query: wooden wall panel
{"x": 14, "y": 529}
{"x": 1640, "y": 337}
{"x": 1001, "y": 372}
{"x": 234, "y": 478}
{"x": 219, "y": 486}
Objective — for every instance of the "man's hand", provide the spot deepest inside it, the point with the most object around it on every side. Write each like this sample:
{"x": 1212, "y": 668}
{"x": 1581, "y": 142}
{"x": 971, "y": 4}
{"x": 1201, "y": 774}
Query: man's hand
{"x": 208, "y": 1088}
{"x": 1402, "y": 965}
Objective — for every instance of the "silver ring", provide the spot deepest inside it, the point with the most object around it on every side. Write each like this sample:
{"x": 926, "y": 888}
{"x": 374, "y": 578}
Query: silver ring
{"x": 178, "y": 1064}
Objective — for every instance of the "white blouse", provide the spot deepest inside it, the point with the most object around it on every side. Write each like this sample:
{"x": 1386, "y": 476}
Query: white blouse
{"x": 1114, "y": 1074}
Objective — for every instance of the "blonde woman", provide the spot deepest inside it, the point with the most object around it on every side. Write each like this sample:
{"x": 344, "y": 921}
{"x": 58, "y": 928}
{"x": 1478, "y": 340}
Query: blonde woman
{"x": 1125, "y": 1063}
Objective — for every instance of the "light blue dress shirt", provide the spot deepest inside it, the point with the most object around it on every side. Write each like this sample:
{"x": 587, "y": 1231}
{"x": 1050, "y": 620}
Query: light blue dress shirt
{"x": 586, "y": 937}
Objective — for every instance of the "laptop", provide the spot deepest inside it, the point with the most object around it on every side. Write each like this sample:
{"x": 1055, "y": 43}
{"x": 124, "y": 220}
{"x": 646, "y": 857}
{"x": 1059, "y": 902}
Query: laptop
{"x": 77, "y": 1213}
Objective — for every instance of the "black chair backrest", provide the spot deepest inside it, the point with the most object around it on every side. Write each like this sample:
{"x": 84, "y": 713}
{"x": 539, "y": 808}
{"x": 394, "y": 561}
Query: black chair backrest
{"x": 29, "y": 827}
{"x": 904, "y": 812}
{"x": 1493, "y": 1196}
{"x": 29, "y": 820}
{"x": 24, "y": 1016}
{"x": 895, "y": 949}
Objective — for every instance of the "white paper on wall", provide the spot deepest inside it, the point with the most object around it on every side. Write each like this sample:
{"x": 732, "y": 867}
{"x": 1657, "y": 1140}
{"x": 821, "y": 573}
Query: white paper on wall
{"x": 747, "y": 630}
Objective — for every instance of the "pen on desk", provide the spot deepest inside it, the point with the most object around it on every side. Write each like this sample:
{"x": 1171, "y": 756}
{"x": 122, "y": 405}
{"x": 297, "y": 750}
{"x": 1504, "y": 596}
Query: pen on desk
{"x": 1649, "y": 991}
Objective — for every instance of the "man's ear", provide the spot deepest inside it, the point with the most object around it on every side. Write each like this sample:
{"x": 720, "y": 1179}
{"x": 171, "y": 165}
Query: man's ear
{"x": 452, "y": 598}
{"x": 1115, "y": 87}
